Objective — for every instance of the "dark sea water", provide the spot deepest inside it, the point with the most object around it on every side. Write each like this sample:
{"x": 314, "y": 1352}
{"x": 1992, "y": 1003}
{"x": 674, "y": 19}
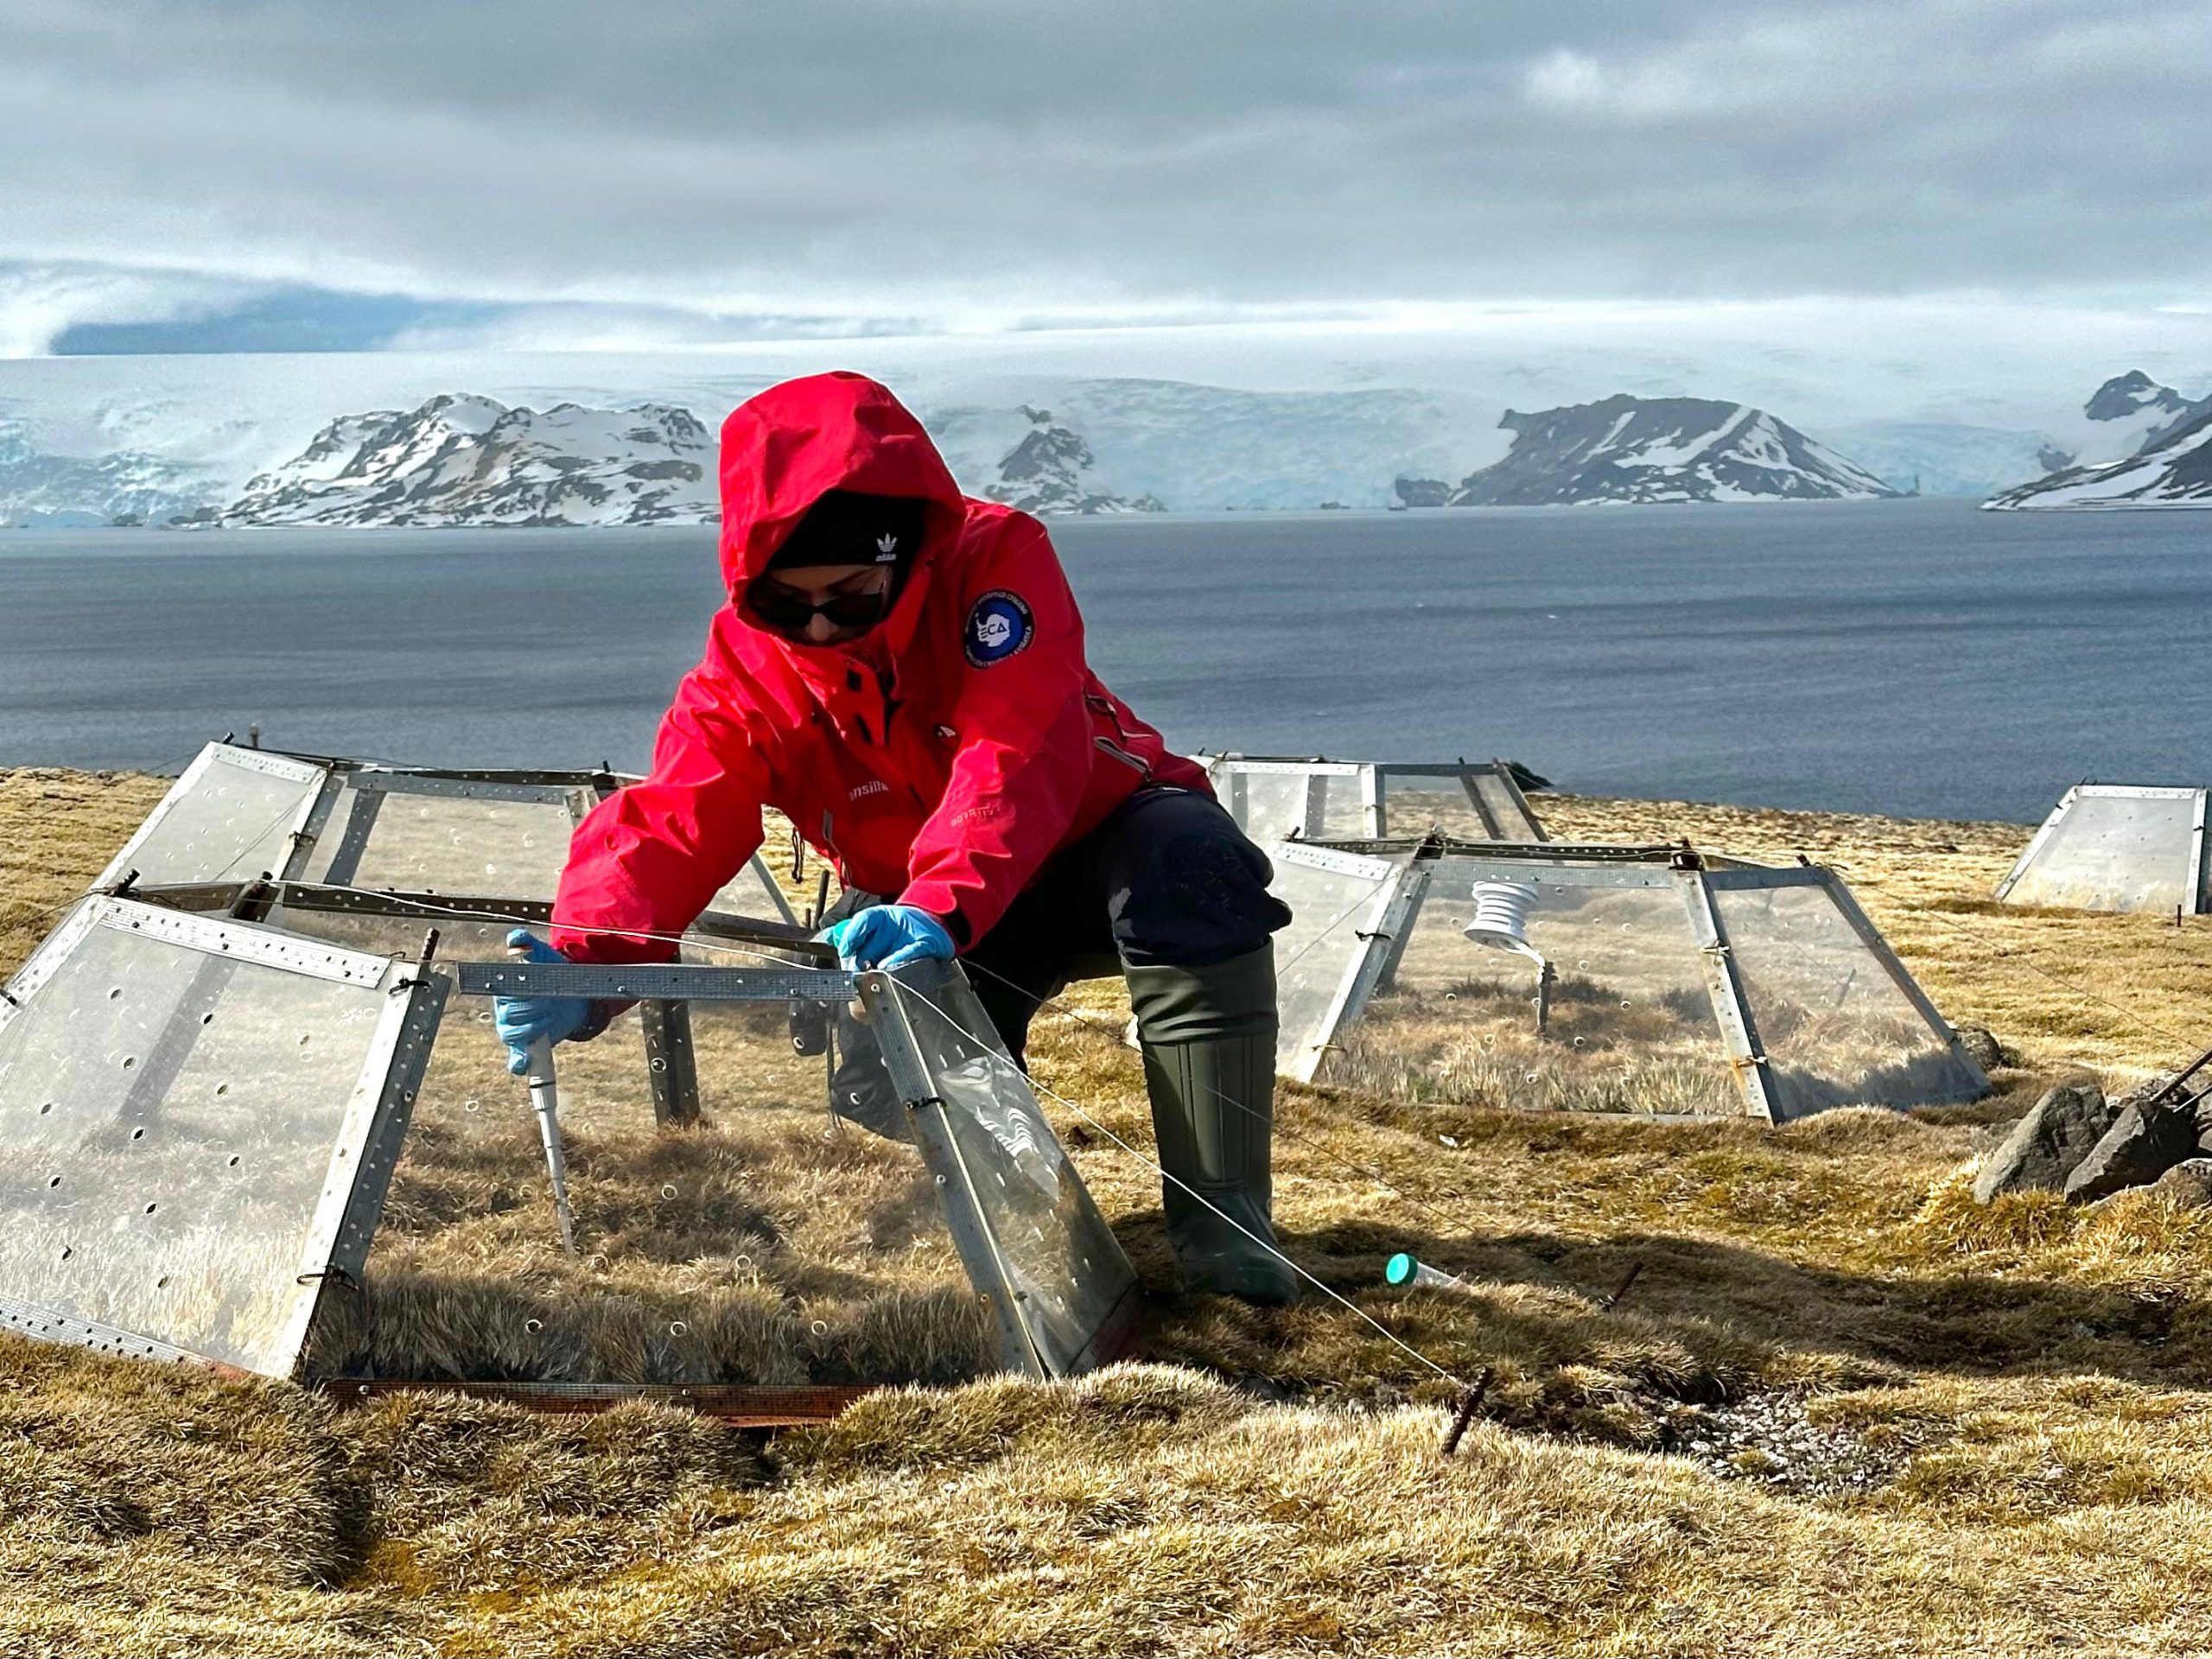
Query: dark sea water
{"x": 1916, "y": 658}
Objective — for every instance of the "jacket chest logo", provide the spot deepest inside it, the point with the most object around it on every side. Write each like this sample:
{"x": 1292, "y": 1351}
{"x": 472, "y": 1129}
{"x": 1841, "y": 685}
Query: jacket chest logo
{"x": 999, "y": 627}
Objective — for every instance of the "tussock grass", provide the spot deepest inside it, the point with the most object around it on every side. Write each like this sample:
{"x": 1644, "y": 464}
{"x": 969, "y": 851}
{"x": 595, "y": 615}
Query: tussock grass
{"x": 2031, "y": 1376}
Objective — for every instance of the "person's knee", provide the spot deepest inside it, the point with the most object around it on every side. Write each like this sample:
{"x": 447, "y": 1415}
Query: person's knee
{"x": 1196, "y": 892}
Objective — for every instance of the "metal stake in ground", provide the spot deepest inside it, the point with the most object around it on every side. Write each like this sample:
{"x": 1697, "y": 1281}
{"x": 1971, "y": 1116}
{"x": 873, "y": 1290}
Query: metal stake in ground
{"x": 545, "y": 1100}
{"x": 1465, "y": 1415}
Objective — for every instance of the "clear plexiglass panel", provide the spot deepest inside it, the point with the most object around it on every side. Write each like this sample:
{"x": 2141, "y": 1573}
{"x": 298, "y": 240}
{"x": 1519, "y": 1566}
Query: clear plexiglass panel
{"x": 231, "y": 816}
{"x": 1504, "y": 811}
{"x": 1631, "y": 1025}
{"x": 1836, "y": 1027}
{"x": 1272, "y": 805}
{"x": 1477, "y": 803}
{"x": 752, "y": 891}
{"x": 2114, "y": 850}
{"x": 509, "y": 840}
{"x": 1074, "y": 1289}
{"x": 1336, "y": 902}
{"x": 168, "y": 1120}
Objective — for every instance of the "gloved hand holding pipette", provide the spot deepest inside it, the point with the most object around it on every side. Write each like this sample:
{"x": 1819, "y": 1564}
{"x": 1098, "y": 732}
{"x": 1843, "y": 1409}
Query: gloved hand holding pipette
{"x": 523, "y": 1021}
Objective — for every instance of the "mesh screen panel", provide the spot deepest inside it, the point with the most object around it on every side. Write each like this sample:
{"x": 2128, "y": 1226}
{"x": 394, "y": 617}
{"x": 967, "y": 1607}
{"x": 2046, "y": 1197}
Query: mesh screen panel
{"x": 167, "y": 1120}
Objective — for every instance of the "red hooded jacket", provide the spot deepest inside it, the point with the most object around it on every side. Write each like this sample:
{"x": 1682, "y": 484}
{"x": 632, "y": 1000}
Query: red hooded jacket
{"x": 941, "y": 757}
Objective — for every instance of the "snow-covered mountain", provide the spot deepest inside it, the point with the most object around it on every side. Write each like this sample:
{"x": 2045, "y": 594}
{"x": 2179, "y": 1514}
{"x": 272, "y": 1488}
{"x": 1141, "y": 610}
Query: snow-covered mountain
{"x": 466, "y": 460}
{"x": 2175, "y": 471}
{"x": 1101, "y": 447}
{"x": 469, "y": 460}
{"x": 1026, "y": 459}
{"x": 1651, "y": 449}
{"x": 2129, "y": 415}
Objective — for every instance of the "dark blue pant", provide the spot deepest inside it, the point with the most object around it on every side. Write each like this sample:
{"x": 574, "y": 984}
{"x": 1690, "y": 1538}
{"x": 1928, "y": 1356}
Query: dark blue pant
{"x": 1168, "y": 880}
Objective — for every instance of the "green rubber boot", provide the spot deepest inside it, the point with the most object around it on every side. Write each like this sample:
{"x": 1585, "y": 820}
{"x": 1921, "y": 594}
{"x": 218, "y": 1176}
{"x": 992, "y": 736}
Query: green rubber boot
{"x": 1208, "y": 1036}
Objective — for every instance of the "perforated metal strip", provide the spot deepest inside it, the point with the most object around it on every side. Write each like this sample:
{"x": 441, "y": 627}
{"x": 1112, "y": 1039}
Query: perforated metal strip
{"x": 242, "y": 943}
{"x": 663, "y": 982}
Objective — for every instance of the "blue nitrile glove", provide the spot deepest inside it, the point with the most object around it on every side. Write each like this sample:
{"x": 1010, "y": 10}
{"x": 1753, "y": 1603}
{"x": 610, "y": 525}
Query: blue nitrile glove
{"x": 521, "y": 1021}
{"x": 889, "y": 936}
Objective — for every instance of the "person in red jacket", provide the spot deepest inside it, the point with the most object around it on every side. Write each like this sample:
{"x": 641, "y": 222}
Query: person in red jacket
{"x": 900, "y": 672}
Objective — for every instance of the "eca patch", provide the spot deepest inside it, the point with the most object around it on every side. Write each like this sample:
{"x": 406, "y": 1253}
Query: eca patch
{"x": 998, "y": 628}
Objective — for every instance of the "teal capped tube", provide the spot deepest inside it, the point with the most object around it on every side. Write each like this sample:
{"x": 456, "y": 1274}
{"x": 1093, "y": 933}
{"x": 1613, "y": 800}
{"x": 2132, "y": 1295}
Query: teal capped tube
{"x": 1404, "y": 1269}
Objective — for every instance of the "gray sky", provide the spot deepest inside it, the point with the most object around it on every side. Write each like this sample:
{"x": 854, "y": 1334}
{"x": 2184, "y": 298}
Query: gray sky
{"x": 220, "y": 176}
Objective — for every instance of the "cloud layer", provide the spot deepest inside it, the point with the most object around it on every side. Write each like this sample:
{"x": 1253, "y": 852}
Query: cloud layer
{"x": 691, "y": 169}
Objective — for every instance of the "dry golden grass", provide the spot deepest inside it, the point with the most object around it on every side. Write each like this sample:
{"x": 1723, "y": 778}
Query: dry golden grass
{"x": 2029, "y": 1378}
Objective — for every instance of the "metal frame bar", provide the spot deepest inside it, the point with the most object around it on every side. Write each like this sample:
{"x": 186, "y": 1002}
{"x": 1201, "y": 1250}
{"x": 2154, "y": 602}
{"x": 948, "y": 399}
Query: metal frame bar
{"x": 2200, "y": 856}
{"x": 463, "y": 789}
{"x": 1559, "y": 875}
{"x": 310, "y": 831}
{"x": 2035, "y": 842}
{"x": 1758, "y": 877}
{"x": 1276, "y": 764}
{"x": 1393, "y": 930}
{"x": 231, "y": 940}
{"x": 44, "y": 1325}
{"x": 353, "y": 840}
{"x": 563, "y": 776}
{"x": 1739, "y": 1033}
{"x": 315, "y": 896}
{"x": 672, "y": 1066}
{"x": 394, "y": 1111}
{"x": 1666, "y": 855}
{"x": 656, "y": 981}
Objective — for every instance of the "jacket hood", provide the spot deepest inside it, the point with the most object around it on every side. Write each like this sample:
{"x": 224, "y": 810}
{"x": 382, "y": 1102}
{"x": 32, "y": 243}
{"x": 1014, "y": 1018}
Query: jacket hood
{"x": 787, "y": 447}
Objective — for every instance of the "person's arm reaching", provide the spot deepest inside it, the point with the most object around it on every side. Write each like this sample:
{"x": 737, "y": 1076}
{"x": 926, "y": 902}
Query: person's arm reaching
{"x": 1025, "y": 752}
{"x": 650, "y": 858}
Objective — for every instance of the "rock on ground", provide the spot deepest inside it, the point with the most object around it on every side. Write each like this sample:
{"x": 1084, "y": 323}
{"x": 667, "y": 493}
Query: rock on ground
{"x": 2057, "y": 1133}
{"x": 1981, "y": 1045}
{"x": 2147, "y": 1138}
{"x": 2188, "y": 1184}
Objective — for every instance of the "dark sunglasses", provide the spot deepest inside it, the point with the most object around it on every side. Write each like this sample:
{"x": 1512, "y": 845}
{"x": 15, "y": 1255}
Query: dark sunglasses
{"x": 790, "y": 612}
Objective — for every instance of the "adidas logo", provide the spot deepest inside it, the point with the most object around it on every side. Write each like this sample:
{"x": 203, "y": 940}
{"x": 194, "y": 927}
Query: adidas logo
{"x": 887, "y": 545}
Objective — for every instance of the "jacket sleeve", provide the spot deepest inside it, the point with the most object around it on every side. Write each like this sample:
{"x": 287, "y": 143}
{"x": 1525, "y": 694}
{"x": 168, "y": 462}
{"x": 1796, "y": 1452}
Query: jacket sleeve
{"x": 1019, "y": 777}
{"x": 650, "y": 857}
